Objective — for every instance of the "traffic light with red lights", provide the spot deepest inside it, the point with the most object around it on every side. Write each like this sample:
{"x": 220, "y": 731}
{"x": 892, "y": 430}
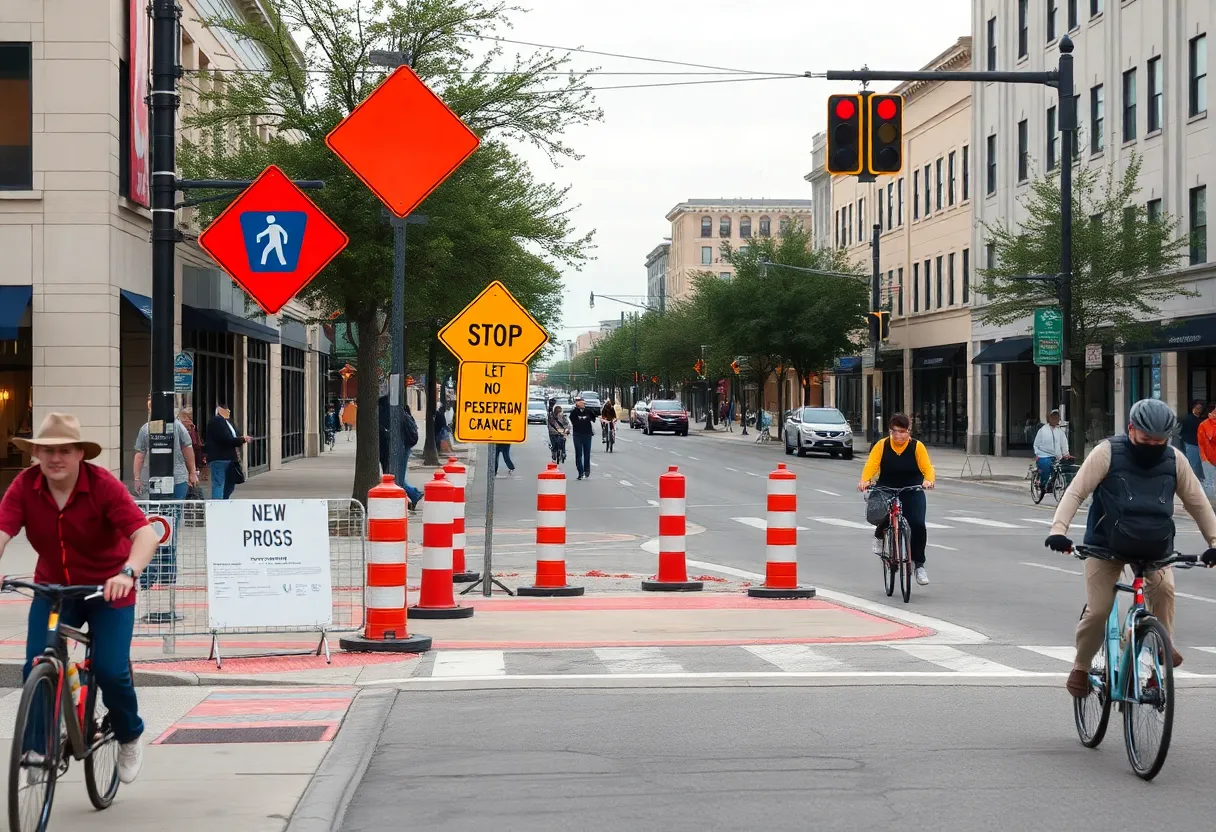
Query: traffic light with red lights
{"x": 885, "y": 134}
{"x": 845, "y": 153}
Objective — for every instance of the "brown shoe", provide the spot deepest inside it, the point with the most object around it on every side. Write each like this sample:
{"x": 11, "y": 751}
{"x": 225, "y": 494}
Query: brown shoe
{"x": 1177, "y": 659}
{"x": 1078, "y": 683}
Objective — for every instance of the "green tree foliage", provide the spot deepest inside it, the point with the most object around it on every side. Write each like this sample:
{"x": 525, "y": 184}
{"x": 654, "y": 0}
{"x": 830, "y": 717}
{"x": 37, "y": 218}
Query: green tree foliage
{"x": 490, "y": 219}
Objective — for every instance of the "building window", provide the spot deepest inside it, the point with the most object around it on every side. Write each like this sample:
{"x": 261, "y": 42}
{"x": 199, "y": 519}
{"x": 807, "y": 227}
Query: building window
{"x": 1153, "y": 209}
{"x": 928, "y": 287}
{"x": 1197, "y": 74}
{"x": 950, "y": 170}
{"x": 1095, "y": 8}
{"x": 991, "y": 44}
{"x": 992, "y": 164}
{"x": 743, "y": 250}
{"x": 950, "y": 278}
{"x": 1129, "y": 105}
{"x": 966, "y": 275}
{"x": 1076, "y": 134}
{"x": 124, "y": 130}
{"x": 1023, "y": 31}
{"x": 899, "y": 193}
{"x": 745, "y": 226}
{"x": 1052, "y": 9}
{"x": 1097, "y": 120}
{"x": 861, "y": 220}
{"x": 707, "y": 255}
{"x": 1023, "y": 150}
{"x": 890, "y": 289}
{"x": 990, "y": 256}
{"x": 765, "y": 227}
{"x": 724, "y": 275}
{"x": 940, "y": 185}
{"x": 1199, "y": 225}
{"x": 939, "y": 281}
{"x": 783, "y": 226}
{"x": 1073, "y": 21}
{"x": 915, "y": 194}
{"x": 899, "y": 299}
{"x": 707, "y": 226}
{"x": 724, "y": 227}
{"x": 1053, "y": 140}
{"x": 257, "y": 405}
{"x": 848, "y": 226}
{"x": 17, "y": 117}
{"x": 890, "y": 205}
{"x": 916, "y": 287}
{"x": 836, "y": 223}
{"x": 966, "y": 172}
{"x": 291, "y": 399}
{"x": 928, "y": 179}
{"x": 1155, "y": 92}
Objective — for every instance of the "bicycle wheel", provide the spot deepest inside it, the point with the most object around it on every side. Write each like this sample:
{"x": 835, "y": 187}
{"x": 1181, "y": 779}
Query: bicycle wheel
{"x": 31, "y": 788}
{"x": 889, "y": 563}
{"x": 905, "y": 560}
{"x": 101, "y": 766}
{"x": 1036, "y": 488}
{"x": 1149, "y": 723}
{"x": 1059, "y": 486}
{"x": 1092, "y": 714}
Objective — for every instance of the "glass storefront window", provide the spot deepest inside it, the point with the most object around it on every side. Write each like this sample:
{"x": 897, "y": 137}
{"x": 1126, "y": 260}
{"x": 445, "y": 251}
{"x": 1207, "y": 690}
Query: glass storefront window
{"x": 291, "y": 389}
{"x": 257, "y": 405}
{"x": 848, "y": 398}
{"x": 1021, "y": 405}
{"x": 16, "y": 403}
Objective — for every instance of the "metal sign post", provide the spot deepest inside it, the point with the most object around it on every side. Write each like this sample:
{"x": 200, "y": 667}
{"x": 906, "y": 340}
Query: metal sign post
{"x": 487, "y": 581}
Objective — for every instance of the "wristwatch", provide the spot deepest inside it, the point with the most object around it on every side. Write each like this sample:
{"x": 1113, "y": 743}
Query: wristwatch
{"x": 129, "y": 572}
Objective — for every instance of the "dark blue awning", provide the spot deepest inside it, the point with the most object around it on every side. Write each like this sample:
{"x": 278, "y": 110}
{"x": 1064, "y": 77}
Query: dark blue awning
{"x": 1008, "y": 351}
{"x": 1178, "y": 334}
{"x": 216, "y": 320}
{"x": 140, "y": 303}
{"x": 14, "y": 300}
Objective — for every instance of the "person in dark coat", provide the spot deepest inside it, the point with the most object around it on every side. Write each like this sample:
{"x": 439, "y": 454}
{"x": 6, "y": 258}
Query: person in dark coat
{"x": 224, "y": 443}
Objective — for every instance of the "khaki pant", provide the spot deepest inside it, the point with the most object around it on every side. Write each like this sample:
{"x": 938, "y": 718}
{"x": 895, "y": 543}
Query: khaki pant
{"x": 1100, "y": 579}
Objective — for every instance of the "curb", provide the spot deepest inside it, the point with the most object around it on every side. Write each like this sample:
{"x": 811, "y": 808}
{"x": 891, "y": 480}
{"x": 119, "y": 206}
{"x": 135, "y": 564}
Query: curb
{"x": 10, "y": 677}
{"x": 323, "y": 805}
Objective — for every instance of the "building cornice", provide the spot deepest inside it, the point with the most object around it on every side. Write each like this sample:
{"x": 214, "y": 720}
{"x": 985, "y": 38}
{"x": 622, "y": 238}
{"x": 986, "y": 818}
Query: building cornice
{"x": 685, "y": 208}
{"x": 957, "y": 57}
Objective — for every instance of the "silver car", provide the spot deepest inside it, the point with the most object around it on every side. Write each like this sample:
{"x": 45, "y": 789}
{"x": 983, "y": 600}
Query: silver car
{"x": 821, "y": 429}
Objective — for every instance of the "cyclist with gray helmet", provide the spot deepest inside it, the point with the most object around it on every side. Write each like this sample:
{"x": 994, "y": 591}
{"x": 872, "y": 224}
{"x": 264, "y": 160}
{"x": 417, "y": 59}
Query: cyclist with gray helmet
{"x": 1133, "y": 480}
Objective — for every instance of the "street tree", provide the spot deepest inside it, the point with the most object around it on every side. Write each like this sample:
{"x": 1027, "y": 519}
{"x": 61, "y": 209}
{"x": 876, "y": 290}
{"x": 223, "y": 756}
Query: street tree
{"x": 1125, "y": 264}
{"x": 490, "y": 219}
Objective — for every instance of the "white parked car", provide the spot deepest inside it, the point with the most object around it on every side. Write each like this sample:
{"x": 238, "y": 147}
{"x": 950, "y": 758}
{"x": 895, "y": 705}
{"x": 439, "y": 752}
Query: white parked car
{"x": 821, "y": 429}
{"x": 538, "y": 412}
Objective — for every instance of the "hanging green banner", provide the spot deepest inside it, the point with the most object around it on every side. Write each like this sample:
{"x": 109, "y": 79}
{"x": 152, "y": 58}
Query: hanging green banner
{"x": 1048, "y": 336}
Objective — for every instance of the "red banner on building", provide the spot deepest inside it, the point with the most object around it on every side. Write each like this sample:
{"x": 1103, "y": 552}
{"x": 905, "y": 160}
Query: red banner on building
{"x": 139, "y": 186}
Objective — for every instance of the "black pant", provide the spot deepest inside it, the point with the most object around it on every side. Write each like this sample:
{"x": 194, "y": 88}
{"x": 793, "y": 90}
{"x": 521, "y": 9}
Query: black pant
{"x": 582, "y": 454}
{"x": 504, "y": 450}
{"x": 914, "y": 512}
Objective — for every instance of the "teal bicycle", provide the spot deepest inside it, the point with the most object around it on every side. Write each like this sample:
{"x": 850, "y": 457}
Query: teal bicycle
{"x": 1146, "y": 696}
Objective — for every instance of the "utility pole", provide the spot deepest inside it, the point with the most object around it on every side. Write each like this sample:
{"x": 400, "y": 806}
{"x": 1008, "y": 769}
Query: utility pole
{"x": 875, "y": 343}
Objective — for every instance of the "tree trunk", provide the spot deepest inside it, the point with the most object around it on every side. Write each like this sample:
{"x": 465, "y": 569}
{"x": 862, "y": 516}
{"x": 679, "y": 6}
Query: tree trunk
{"x": 367, "y": 421}
{"x": 778, "y": 421}
{"x": 1076, "y": 416}
{"x": 430, "y": 453}
{"x": 806, "y": 389}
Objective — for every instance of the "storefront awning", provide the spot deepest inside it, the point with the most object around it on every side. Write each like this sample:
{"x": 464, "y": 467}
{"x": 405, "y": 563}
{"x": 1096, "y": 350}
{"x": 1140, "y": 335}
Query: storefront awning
{"x": 140, "y": 303}
{"x": 13, "y": 302}
{"x": 216, "y": 320}
{"x": 931, "y": 358}
{"x": 292, "y": 333}
{"x": 1008, "y": 351}
{"x": 1180, "y": 334}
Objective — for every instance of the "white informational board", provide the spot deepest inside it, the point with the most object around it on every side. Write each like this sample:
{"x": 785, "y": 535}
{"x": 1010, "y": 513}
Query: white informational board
{"x": 268, "y": 564}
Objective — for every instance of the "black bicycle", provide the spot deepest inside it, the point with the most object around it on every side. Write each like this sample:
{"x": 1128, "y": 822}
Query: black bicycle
{"x": 609, "y": 435}
{"x": 1062, "y": 471}
{"x": 557, "y": 447}
{"x": 55, "y": 722}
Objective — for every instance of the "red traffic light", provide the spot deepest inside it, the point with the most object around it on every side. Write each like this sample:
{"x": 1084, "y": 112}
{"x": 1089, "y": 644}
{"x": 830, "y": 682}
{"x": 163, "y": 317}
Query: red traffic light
{"x": 886, "y": 109}
{"x": 845, "y": 108}
{"x": 845, "y": 150}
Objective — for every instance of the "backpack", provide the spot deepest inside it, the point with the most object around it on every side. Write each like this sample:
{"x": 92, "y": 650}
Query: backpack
{"x": 1136, "y": 506}
{"x": 409, "y": 430}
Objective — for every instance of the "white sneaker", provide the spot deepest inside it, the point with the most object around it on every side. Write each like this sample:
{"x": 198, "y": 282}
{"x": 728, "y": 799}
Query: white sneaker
{"x": 922, "y": 577}
{"x": 130, "y": 760}
{"x": 877, "y": 547}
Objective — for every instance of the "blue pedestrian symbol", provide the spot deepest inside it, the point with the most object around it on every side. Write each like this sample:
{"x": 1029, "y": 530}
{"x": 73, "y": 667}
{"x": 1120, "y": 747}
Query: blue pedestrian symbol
{"x": 272, "y": 240}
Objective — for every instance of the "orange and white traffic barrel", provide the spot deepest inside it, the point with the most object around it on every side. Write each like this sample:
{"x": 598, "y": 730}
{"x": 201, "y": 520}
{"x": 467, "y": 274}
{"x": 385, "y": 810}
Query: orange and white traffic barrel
{"x": 435, "y": 596}
{"x": 384, "y": 627}
{"x": 458, "y": 475}
{"x": 673, "y": 566}
{"x": 781, "y": 539}
{"x": 551, "y": 537}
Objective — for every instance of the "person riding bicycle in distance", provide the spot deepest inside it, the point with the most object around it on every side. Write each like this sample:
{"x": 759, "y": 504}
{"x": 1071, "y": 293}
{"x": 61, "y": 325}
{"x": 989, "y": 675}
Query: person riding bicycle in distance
{"x": 1050, "y": 444}
{"x": 86, "y": 529}
{"x": 1133, "y": 480}
{"x": 559, "y": 428}
{"x": 899, "y": 461}
{"x": 608, "y": 415}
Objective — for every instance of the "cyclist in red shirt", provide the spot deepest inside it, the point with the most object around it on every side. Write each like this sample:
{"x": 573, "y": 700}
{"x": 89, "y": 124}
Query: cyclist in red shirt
{"x": 86, "y": 529}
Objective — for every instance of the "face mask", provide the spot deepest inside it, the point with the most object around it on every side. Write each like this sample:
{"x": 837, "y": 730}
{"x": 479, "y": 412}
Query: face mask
{"x": 1146, "y": 456}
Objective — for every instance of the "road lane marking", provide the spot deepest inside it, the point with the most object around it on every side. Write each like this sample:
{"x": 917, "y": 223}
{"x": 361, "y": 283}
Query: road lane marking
{"x": 1064, "y": 654}
{"x": 758, "y": 523}
{"x": 847, "y": 524}
{"x": 794, "y": 657}
{"x": 1043, "y": 522}
{"x": 619, "y": 679}
{"x": 469, "y": 663}
{"x": 825, "y": 491}
{"x": 940, "y": 546}
{"x": 637, "y": 660}
{"x": 1194, "y": 597}
{"x": 626, "y": 483}
{"x": 936, "y": 526}
{"x": 654, "y": 503}
{"x": 984, "y": 521}
{"x": 595, "y": 464}
{"x": 750, "y": 474}
{"x": 946, "y": 631}
{"x": 677, "y": 453}
{"x": 732, "y": 470}
{"x": 953, "y": 659}
{"x": 1055, "y": 568}
{"x": 694, "y": 459}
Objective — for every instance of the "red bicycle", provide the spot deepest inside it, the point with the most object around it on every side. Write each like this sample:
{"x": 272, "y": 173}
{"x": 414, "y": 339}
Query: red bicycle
{"x": 897, "y": 542}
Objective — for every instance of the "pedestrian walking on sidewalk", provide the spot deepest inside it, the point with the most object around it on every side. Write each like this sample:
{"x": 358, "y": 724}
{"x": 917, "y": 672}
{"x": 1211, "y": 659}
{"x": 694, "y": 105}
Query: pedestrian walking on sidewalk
{"x": 409, "y": 438}
{"x": 350, "y": 415}
{"x": 224, "y": 443}
{"x": 1207, "y": 451}
{"x": 443, "y": 442}
{"x": 1190, "y": 438}
{"x": 185, "y": 473}
{"x": 582, "y": 423}
{"x": 503, "y": 449}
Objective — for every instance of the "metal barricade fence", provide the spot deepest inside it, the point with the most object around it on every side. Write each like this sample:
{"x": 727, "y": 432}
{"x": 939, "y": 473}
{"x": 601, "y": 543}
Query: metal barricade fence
{"x": 172, "y": 597}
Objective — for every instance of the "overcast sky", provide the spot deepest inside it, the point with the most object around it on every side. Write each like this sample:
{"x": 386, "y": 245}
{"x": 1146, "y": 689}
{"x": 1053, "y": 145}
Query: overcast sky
{"x": 658, "y": 147}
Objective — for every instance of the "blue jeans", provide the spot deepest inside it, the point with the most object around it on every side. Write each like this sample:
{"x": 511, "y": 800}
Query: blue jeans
{"x": 1193, "y": 457}
{"x": 582, "y": 453}
{"x": 503, "y": 450}
{"x": 411, "y": 493}
{"x": 110, "y": 632}
{"x": 221, "y": 486}
{"x": 1044, "y": 464}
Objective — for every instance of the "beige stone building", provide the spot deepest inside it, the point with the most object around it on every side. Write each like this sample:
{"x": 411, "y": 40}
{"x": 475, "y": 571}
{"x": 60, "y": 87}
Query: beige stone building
{"x": 699, "y": 227}
{"x": 923, "y": 218}
{"x": 74, "y": 244}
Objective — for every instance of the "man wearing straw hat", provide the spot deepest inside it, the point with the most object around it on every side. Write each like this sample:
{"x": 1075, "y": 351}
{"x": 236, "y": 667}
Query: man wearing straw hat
{"x": 86, "y": 529}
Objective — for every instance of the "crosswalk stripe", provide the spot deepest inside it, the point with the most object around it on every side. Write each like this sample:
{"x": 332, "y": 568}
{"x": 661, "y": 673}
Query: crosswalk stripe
{"x": 825, "y": 491}
{"x": 984, "y": 521}
{"x": 1064, "y": 654}
{"x": 637, "y": 660}
{"x": 929, "y": 525}
{"x": 953, "y": 659}
{"x": 1043, "y": 522}
{"x": 848, "y": 524}
{"x": 758, "y": 522}
{"x": 794, "y": 658}
{"x": 1205, "y": 649}
{"x": 626, "y": 483}
{"x": 470, "y": 663}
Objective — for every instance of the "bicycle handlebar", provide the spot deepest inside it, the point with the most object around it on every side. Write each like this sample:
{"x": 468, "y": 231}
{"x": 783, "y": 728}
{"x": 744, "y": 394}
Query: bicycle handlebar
{"x": 897, "y": 490}
{"x": 1082, "y": 552}
{"x": 86, "y": 591}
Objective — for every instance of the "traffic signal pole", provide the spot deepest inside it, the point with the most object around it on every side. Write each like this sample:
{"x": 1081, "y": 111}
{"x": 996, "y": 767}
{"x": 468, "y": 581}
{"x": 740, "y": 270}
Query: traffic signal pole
{"x": 875, "y": 304}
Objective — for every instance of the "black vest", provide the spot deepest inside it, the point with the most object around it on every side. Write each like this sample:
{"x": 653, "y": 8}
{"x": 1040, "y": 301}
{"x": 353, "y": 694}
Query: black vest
{"x": 1135, "y": 505}
{"x": 899, "y": 470}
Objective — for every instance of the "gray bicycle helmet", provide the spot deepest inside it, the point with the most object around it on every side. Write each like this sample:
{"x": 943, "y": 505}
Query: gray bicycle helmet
{"x": 1154, "y": 417}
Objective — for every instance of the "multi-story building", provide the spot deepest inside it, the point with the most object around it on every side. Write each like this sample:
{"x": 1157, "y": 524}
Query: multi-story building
{"x": 821, "y": 192}
{"x": 923, "y": 218}
{"x": 74, "y": 240}
{"x": 699, "y": 227}
{"x": 1141, "y": 87}
{"x": 585, "y": 341}
{"x": 656, "y": 275}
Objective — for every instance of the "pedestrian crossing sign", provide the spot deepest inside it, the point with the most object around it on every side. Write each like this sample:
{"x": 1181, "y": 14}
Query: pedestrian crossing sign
{"x": 273, "y": 241}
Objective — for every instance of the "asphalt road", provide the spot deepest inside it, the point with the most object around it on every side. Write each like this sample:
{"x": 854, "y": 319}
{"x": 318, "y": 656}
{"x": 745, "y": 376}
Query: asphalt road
{"x": 854, "y": 758}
